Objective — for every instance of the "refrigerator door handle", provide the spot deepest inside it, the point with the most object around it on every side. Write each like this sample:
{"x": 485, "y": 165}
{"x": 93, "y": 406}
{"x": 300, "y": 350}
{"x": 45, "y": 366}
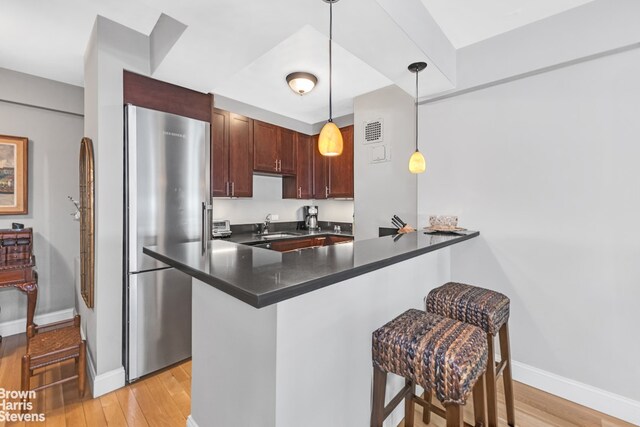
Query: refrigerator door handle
{"x": 203, "y": 239}
{"x": 206, "y": 221}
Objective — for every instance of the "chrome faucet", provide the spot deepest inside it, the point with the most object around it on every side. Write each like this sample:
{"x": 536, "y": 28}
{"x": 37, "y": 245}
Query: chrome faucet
{"x": 265, "y": 224}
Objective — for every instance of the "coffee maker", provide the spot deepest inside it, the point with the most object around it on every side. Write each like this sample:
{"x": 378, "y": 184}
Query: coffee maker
{"x": 311, "y": 217}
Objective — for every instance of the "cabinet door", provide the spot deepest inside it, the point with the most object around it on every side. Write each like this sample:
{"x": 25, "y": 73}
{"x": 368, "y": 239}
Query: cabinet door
{"x": 301, "y": 185}
{"x": 286, "y": 151}
{"x": 265, "y": 147}
{"x": 241, "y": 133}
{"x": 320, "y": 188}
{"x": 340, "y": 175}
{"x": 219, "y": 152}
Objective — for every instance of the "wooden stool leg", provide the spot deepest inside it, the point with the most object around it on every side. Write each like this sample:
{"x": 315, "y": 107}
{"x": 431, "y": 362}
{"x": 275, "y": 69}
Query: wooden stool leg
{"x": 454, "y": 415}
{"x": 82, "y": 368}
{"x": 408, "y": 405}
{"x": 492, "y": 404}
{"x": 479, "y": 402}
{"x": 26, "y": 378}
{"x": 505, "y": 352}
{"x": 377, "y": 404}
{"x": 426, "y": 411}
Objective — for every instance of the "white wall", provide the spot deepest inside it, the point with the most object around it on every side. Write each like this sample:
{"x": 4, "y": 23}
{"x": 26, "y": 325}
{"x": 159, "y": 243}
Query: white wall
{"x": 267, "y": 199}
{"x": 546, "y": 168}
{"x": 54, "y": 143}
{"x": 111, "y": 48}
{"x": 385, "y": 189}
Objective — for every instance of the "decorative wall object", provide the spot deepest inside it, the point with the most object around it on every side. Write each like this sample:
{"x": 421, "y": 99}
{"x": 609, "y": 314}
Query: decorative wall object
{"x": 87, "y": 244}
{"x": 14, "y": 186}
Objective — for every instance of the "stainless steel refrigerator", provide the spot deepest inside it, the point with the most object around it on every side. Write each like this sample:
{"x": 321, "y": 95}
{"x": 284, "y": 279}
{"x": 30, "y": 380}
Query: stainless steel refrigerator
{"x": 167, "y": 200}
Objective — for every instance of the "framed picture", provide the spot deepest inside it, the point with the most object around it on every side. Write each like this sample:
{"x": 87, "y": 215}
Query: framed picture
{"x": 13, "y": 175}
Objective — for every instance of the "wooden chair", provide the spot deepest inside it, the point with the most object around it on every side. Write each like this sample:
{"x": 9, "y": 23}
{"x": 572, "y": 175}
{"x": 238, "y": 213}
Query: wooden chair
{"x": 54, "y": 343}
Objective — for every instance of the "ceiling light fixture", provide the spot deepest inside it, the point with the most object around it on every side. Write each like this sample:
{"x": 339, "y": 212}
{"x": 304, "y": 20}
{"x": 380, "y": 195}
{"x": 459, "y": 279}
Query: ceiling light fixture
{"x": 417, "y": 163}
{"x": 301, "y": 82}
{"x": 330, "y": 139}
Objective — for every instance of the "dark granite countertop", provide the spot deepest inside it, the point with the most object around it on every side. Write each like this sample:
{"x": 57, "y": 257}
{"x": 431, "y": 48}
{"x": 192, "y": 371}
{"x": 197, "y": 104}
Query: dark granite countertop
{"x": 261, "y": 277}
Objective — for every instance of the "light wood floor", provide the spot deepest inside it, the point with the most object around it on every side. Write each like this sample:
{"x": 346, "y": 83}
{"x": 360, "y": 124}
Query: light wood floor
{"x": 164, "y": 399}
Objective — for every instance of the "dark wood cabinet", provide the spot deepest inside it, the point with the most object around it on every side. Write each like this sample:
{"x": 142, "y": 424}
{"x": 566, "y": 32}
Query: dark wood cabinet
{"x": 287, "y": 151}
{"x": 308, "y": 242}
{"x": 231, "y": 154}
{"x": 320, "y": 164}
{"x": 300, "y": 186}
{"x": 333, "y": 176}
{"x": 340, "y": 170}
{"x": 240, "y": 155}
{"x": 265, "y": 147}
{"x": 241, "y": 146}
{"x": 219, "y": 152}
{"x": 274, "y": 149}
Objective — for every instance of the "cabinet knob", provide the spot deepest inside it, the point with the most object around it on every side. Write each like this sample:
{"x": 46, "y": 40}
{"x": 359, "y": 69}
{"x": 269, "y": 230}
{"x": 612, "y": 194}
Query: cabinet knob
{"x": 299, "y": 192}
{"x": 233, "y": 189}
{"x": 326, "y": 192}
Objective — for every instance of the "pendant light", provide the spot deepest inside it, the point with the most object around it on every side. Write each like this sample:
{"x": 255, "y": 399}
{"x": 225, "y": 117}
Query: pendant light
{"x": 330, "y": 139}
{"x": 417, "y": 163}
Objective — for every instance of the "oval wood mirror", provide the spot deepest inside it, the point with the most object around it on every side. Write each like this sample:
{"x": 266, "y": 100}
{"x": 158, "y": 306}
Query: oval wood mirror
{"x": 87, "y": 246}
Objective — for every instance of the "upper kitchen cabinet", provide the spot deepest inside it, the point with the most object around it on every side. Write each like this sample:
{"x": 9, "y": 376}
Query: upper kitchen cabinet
{"x": 320, "y": 165}
{"x": 274, "y": 149}
{"x": 333, "y": 176}
{"x": 300, "y": 186}
{"x": 340, "y": 168}
{"x": 231, "y": 154}
{"x": 287, "y": 151}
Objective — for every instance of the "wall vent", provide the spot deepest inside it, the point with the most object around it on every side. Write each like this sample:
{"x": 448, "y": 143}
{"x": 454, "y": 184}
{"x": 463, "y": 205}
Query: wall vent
{"x": 373, "y": 131}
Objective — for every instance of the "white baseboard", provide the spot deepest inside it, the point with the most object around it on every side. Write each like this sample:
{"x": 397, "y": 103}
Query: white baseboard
{"x": 191, "y": 422}
{"x": 107, "y": 382}
{"x": 19, "y": 326}
{"x": 592, "y": 397}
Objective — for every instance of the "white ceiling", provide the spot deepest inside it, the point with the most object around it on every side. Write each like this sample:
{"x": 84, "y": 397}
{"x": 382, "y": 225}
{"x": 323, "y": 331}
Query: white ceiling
{"x": 469, "y": 21}
{"x": 244, "y": 49}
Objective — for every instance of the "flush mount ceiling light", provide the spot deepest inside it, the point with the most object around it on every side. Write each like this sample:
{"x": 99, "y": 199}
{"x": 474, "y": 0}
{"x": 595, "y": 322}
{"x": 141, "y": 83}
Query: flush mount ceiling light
{"x": 417, "y": 163}
{"x": 301, "y": 82}
{"x": 330, "y": 139}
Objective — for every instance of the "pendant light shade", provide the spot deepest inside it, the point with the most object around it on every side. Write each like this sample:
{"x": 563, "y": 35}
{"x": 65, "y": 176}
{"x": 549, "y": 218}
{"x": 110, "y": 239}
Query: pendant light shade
{"x": 417, "y": 163}
{"x": 330, "y": 139}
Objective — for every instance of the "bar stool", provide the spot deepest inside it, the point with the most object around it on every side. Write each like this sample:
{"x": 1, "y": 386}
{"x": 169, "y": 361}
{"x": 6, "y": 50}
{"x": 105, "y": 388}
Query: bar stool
{"x": 437, "y": 353}
{"x": 488, "y": 310}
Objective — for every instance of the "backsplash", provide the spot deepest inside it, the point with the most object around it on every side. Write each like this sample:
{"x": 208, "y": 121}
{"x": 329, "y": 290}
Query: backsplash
{"x": 267, "y": 199}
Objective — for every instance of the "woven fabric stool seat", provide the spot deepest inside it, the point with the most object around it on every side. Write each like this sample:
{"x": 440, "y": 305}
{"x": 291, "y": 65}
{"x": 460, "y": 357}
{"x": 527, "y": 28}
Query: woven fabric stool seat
{"x": 440, "y": 354}
{"x": 488, "y": 310}
{"x": 53, "y": 343}
{"x": 481, "y": 307}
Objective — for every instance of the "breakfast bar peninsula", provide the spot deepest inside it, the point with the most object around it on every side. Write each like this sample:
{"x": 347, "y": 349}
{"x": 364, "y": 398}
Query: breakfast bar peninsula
{"x": 284, "y": 339}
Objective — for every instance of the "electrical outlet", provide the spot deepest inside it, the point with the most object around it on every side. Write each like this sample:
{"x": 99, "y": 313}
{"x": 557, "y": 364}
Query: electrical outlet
{"x": 274, "y": 217}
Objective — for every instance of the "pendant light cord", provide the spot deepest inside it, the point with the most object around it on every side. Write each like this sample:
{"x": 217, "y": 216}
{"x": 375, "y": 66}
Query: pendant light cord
{"x": 330, "y": 59}
{"x": 417, "y": 109}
